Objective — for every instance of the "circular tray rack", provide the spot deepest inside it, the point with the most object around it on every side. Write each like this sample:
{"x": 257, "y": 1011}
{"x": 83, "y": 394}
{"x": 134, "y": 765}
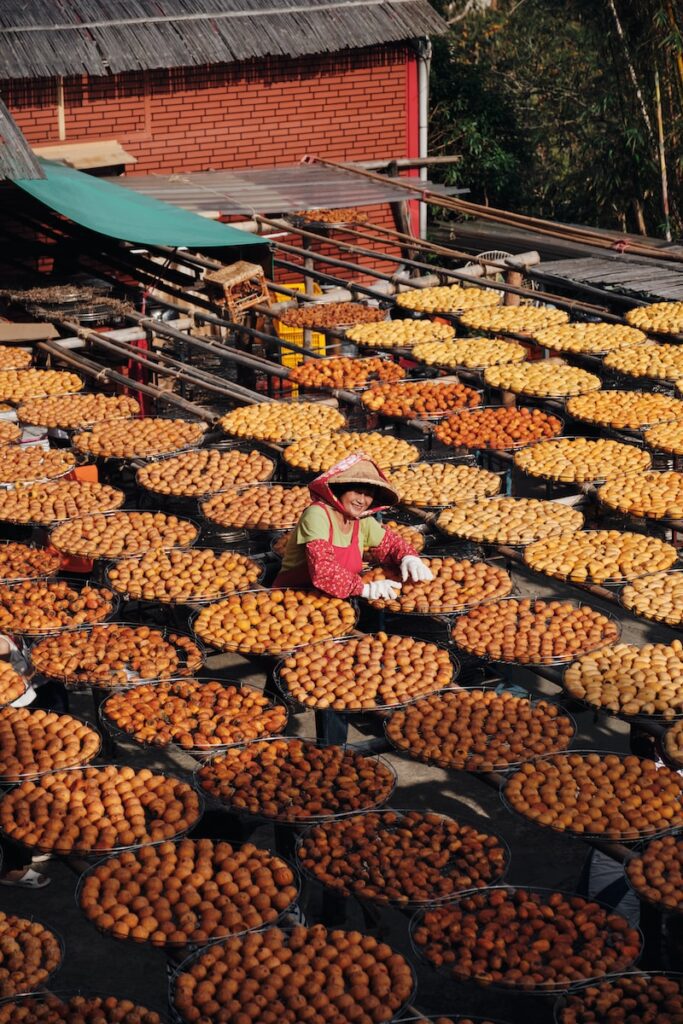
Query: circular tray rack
{"x": 125, "y": 596}
{"x": 75, "y": 584}
{"x": 659, "y": 905}
{"x": 106, "y": 557}
{"x": 65, "y": 995}
{"x": 216, "y": 446}
{"x": 284, "y": 442}
{"x": 198, "y": 752}
{"x": 509, "y": 447}
{"x": 16, "y": 402}
{"x": 548, "y": 662}
{"x": 429, "y": 506}
{"x": 595, "y": 482}
{"x": 51, "y": 524}
{"x": 492, "y": 544}
{"x": 323, "y": 390}
{"x": 451, "y": 765}
{"x": 590, "y": 836}
{"x": 300, "y": 706}
{"x": 194, "y": 944}
{"x": 667, "y": 522}
{"x": 118, "y": 459}
{"x": 560, "y": 1003}
{"x": 32, "y": 919}
{"x": 255, "y": 528}
{"x": 190, "y": 960}
{"x": 303, "y": 476}
{"x": 599, "y": 709}
{"x": 6, "y": 581}
{"x": 451, "y": 612}
{"x": 406, "y": 904}
{"x": 169, "y": 635}
{"x": 432, "y": 417}
{"x": 11, "y": 779}
{"x": 100, "y": 853}
{"x": 281, "y": 819}
{"x": 613, "y": 581}
{"x": 70, "y": 430}
{"x": 10, "y": 485}
{"x": 270, "y": 653}
{"x": 541, "y": 988}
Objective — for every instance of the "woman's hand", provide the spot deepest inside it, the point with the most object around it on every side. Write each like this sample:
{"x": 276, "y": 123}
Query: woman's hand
{"x": 381, "y": 590}
{"x": 414, "y": 568}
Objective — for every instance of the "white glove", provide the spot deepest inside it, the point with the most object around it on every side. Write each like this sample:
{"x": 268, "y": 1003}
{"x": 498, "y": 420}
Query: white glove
{"x": 381, "y": 590}
{"x": 414, "y": 568}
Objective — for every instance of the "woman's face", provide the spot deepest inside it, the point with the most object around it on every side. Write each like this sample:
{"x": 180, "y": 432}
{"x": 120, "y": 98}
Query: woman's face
{"x": 357, "y": 500}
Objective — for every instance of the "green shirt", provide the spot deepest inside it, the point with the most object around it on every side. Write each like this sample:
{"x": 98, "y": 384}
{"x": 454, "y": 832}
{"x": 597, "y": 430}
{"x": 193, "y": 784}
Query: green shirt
{"x": 315, "y": 525}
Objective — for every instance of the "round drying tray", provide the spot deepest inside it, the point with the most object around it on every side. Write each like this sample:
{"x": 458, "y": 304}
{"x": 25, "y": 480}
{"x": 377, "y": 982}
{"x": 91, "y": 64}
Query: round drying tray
{"x": 78, "y": 585}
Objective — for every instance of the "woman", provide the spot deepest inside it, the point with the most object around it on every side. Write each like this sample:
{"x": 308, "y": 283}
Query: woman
{"x": 326, "y": 548}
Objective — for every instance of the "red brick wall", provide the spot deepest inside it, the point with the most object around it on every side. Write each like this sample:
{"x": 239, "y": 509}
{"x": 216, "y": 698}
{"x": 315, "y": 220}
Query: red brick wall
{"x": 348, "y": 106}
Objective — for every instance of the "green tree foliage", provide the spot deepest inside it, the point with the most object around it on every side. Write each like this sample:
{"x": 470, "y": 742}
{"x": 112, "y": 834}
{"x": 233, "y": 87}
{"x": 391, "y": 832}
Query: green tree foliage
{"x": 551, "y": 105}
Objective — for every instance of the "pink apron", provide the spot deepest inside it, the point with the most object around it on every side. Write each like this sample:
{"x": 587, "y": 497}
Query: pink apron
{"x": 349, "y": 558}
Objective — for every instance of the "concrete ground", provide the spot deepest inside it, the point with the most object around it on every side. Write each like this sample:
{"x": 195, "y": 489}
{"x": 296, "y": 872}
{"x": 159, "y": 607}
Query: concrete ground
{"x": 538, "y": 857}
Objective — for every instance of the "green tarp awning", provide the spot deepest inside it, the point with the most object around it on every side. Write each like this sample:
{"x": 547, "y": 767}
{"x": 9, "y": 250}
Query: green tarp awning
{"x": 126, "y": 215}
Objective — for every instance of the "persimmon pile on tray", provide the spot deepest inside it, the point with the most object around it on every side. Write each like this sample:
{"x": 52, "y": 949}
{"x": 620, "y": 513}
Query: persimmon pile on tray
{"x": 318, "y": 454}
{"x": 673, "y": 743}
{"x": 497, "y": 427}
{"x": 657, "y": 874}
{"x": 526, "y": 939}
{"x": 192, "y": 891}
{"x": 625, "y": 410}
{"x": 31, "y": 953}
{"x": 514, "y": 319}
{"x": 331, "y": 314}
{"x": 599, "y": 556}
{"x": 12, "y": 684}
{"x": 267, "y": 507}
{"x": 24, "y": 465}
{"x": 9, "y": 432}
{"x": 282, "y": 421}
{"x": 132, "y": 439}
{"x": 273, "y": 621}
{"x": 122, "y": 533}
{"x": 661, "y": 317}
{"x": 399, "y": 333}
{"x": 37, "y": 606}
{"x": 658, "y": 597}
{"x": 456, "y": 586}
{"x": 479, "y": 730}
{"x": 413, "y": 399}
{"x": 401, "y": 857}
{"x": 81, "y": 810}
{"x": 344, "y": 372}
{"x": 12, "y": 358}
{"x": 341, "y": 215}
{"x": 196, "y": 473}
{"x": 657, "y": 362}
{"x": 194, "y": 715}
{"x": 588, "y": 339}
{"x": 366, "y": 672}
{"x": 73, "y": 412}
{"x": 542, "y": 379}
{"x": 655, "y": 998}
{"x": 45, "y": 1008}
{"x": 630, "y": 680}
{"x": 621, "y": 798}
{"x": 18, "y": 385}
{"x": 533, "y": 632}
{"x": 115, "y": 655}
{"x": 42, "y": 741}
{"x": 657, "y": 494}
{"x": 665, "y": 437}
{"x": 508, "y": 520}
{"x": 312, "y": 973}
{"x": 57, "y": 500}
{"x": 23, "y": 561}
{"x": 447, "y": 298}
{"x": 293, "y": 779}
{"x": 470, "y": 353}
{"x": 581, "y": 460}
{"x": 183, "y": 575}
{"x": 443, "y": 483}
